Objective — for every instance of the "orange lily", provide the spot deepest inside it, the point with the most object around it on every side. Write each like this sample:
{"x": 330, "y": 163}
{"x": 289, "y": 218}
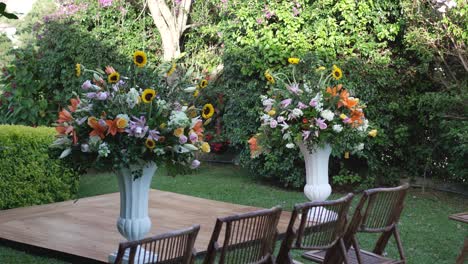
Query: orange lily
{"x": 67, "y": 130}
{"x": 74, "y": 104}
{"x": 98, "y": 130}
{"x": 64, "y": 116}
{"x": 357, "y": 116}
{"x": 253, "y": 145}
{"x": 198, "y": 129}
{"x": 113, "y": 129}
{"x": 334, "y": 91}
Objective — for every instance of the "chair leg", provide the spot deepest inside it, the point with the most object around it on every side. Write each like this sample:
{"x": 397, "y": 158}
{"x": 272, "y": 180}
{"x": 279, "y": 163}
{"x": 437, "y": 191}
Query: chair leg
{"x": 382, "y": 242}
{"x": 463, "y": 254}
{"x": 357, "y": 248}
{"x": 344, "y": 252}
{"x": 399, "y": 245}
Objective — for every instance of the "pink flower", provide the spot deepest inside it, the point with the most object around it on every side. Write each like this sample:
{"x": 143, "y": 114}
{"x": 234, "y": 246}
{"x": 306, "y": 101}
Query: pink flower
{"x": 195, "y": 164}
{"x": 286, "y": 102}
{"x": 313, "y": 103}
{"x": 321, "y": 123}
{"x": 105, "y": 3}
{"x": 193, "y": 137}
{"x": 86, "y": 85}
{"x": 300, "y": 105}
{"x": 273, "y": 123}
{"x": 293, "y": 88}
{"x": 182, "y": 139}
{"x": 305, "y": 134}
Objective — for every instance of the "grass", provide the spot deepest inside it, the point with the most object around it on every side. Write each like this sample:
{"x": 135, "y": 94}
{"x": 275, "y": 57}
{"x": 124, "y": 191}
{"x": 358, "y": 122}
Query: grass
{"x": 428, "y": 236}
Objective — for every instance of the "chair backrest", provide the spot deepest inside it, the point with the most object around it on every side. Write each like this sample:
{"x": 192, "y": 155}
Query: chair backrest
{"x": 320, "y": 224}
{"x": 248, "y": 238}
{"x": 379, "y": 209}
{"x": 169, "y": 248}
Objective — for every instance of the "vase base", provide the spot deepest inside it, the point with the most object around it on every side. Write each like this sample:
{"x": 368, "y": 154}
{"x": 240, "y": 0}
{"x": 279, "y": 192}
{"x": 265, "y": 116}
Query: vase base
{"x": 320, "y": 215}
{"x": 141, "y": 257}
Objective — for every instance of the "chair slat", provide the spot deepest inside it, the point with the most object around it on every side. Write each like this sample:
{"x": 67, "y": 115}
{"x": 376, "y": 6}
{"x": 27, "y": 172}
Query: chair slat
{"x": 170, "y": 248}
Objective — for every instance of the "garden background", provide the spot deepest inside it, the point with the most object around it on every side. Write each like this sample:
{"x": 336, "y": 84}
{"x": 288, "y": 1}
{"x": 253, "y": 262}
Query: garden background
{"x": 407, "y": 59}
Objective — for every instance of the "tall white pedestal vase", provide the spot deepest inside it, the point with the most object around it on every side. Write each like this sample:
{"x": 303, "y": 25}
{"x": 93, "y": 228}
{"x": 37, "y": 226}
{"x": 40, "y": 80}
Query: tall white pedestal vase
{"x": 133, "y": 222}
{"x": 317, "y": 187}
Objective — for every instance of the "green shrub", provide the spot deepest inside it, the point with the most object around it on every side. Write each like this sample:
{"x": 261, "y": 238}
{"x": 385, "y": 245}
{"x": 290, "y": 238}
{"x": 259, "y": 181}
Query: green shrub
{"x": 28, "y": 175}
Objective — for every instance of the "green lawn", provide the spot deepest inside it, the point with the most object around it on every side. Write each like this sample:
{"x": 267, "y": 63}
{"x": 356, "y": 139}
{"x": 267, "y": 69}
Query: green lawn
{"x": 428, "y": 236}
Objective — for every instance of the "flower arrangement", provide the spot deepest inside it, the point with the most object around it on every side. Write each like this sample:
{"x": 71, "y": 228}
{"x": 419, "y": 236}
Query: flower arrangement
{"x": 114, "y": 121}
{"x": 315, "y": 112}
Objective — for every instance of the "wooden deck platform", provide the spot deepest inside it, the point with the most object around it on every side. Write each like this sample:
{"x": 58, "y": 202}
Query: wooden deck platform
{"x": 87, "y": 228}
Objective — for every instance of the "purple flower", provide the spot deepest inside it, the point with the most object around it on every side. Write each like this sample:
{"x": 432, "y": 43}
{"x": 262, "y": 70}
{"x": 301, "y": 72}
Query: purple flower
{"x": 102, "y": 96}
{"x": 137, "y": 127}
{"x": 154, "y": 135}
{"x": 313, "y": 103}
{"x": 182, "y": 139}
{"x": 273, "y": 123}
{"x": 305, "y": 134}
{"x": 195, "y": 164}
{"x": 347, "y": 120}
{"x": 91, "y": 95}
{"x": 86, "y": 85}
{"x": 321, "y": 123}
{"x": 193, "y": 137}
{"x": 286, "y": 102}
{"x": 296, "y": 11}
{"x": 293, "y": 88}
{"x": 102, "y": 122}
{"x": 105, "y": 3}
{"x": 177, "y": 2}
{"x": 300, "y": 105}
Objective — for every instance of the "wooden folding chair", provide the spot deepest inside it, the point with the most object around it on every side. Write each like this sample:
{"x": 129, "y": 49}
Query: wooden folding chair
{"x": 321, "y": 226}
{"x": 169, "y": 248}
{"x": 247, "y": 238}
{"x": 378, "y": 211}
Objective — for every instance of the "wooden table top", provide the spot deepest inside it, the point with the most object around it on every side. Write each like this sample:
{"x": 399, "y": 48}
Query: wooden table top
{"x": 87, "y": 227}
{"x": 461, "y": 217}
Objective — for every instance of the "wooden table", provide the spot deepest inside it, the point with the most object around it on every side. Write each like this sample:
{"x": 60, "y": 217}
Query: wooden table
{"x": 86, "y": 229}
{"x": 462, "y": 217}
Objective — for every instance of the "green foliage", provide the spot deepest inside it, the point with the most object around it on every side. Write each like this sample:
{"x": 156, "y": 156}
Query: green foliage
{"x": 42, "y": 77}
{"x": 415, "y": 96}
{"x": 28, "y": 175}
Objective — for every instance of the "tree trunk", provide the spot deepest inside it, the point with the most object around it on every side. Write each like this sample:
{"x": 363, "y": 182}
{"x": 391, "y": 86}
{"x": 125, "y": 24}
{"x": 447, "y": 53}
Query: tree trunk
{"x": 171, "y": 23}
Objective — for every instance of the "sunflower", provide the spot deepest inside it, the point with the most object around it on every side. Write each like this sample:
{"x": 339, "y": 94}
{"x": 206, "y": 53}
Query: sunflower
{"x": 139, "y": 58}
{"x": 269, "y": 77}
{"x": 203, "y": 84}
{"x": 294, "y": 60}
{"x": 78, "y": 70}
{"x": 208, "y": 111}
{"x": 148, "y": 95}
{"x": 196, "y": 93}
{"x": 337, "y": 73}
{"x": 150, "y": 143}
{"x": 113, "y": 77}
{"x": 172, "y": 69}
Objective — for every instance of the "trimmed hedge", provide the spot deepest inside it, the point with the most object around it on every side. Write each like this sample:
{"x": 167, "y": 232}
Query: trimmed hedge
{"x": 28, "y": 176}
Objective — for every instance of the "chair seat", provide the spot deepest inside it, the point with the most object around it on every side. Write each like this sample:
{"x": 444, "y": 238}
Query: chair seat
{"x": 367, "y": 257}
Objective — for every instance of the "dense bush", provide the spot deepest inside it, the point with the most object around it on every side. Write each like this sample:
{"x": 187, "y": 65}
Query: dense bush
{"x": 28, "y": 175}
{"x": 422, "y": 120}
{"x": 42, "y": 76}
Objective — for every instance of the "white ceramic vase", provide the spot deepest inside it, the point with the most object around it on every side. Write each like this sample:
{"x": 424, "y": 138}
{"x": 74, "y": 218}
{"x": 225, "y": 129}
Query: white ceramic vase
{"x": 317, "y": 187}
{"x": 133, "y": 222}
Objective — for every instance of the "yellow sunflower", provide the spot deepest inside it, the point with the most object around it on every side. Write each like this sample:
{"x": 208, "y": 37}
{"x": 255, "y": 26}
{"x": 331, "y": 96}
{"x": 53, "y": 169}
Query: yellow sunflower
{"x": 78, "y": 70}
{"x": 203, "y": 84}
{"x": 269, "y": 77}
{"x": 294, "y": 60}
{"x": 148, "y": 95}
{"x": 150, "y": 143}
{"x": 196, "y": 93}
{"x": 337, "y": 73}
{"x": 171, "y": 71}
{"x": 140, "y": 59}
{"x": 113, "y": 77}
{"x": 208, "y": 111}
